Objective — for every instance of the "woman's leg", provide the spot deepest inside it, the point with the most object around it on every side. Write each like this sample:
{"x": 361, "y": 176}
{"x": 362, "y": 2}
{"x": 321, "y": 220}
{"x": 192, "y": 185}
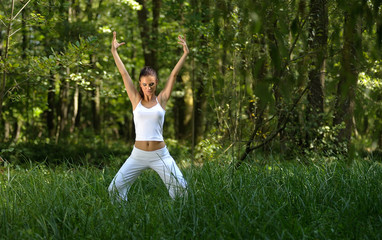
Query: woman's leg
{"x": 169, "y": 172}
{"x": 125, "y": 177}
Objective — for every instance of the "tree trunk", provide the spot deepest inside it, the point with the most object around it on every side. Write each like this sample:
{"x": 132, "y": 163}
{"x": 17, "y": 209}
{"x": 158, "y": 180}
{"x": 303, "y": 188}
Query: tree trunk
{"x": 276, "y": 58}
{"x": 179, "y": 111}
{"x": 66, "y": 13}
{"x": 7, "y": 130}
{"x": 64, "y": 105}
{"x": 79, "y": 110}
{"x": 1, "y": 44}
{"x": 76, "y": 101}
{"x": 199, "y": 101}
{"x": 17, "y": 130}
{"x": 89, "y": 10}
{"x": 200, "y": 105}
{"x": 156, "y": 5}
{"x": 259, "y": 107}
{"x": 96, "y": 108}
{"x": 346, "y": 90}
{"x": 96, "y": 101}
{"x": 52, "y": 112}
{"x": 318, "y": 34}
{"x": 2, "y": 123}
{"x": 51, "y": 104}
{"x": 4, "y": 58}
{"x": 147, "y": 33}
{"x": 24, "y": 46}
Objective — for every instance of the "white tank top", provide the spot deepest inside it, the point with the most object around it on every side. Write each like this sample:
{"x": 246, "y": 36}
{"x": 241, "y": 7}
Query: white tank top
{"x": 149, "y": 122}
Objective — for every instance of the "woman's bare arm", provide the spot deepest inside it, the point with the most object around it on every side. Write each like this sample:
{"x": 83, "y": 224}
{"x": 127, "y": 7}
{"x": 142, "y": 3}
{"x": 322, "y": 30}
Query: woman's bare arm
{"x": 130, "y": 88}
{"x": 166, "y": 92}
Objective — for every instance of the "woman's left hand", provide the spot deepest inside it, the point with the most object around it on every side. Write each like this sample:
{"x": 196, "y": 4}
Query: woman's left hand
{"x": 182, "y": 41}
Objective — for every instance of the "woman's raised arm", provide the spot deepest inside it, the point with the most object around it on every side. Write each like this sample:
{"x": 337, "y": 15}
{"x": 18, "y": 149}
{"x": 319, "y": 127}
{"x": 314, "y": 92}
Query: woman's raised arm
{"x": 130, "y": 88}
{"x": 166, "y": 92}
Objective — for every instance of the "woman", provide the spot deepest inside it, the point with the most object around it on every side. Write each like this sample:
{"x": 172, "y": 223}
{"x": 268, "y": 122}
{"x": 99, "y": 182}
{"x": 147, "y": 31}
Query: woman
{"x": 148, "y": 109}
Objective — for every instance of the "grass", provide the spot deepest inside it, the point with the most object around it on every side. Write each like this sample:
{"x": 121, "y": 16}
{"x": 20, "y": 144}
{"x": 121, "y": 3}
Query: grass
{"x": 273, "y": 201}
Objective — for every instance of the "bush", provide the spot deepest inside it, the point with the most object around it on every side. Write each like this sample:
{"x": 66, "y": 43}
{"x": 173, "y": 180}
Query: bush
{"x": 53, "y": 154}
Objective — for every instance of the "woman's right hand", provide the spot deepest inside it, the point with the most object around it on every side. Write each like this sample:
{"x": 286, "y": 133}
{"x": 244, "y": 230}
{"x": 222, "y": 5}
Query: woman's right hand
{"x": 114, "y": 43}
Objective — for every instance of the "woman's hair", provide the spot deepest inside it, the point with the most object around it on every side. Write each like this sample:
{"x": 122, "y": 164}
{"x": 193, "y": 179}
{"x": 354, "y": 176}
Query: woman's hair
{"x": 147, "y": 71}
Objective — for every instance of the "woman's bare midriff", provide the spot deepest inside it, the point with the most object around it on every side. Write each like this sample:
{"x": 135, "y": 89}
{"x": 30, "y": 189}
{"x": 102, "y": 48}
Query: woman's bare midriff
{"x": 149, "y": 145}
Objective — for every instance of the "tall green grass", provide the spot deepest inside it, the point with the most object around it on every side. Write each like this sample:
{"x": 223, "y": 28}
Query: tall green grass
{"x": 274, "y": 201}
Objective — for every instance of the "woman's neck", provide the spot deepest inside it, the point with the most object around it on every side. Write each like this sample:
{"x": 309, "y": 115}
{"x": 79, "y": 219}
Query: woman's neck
{"x": 147, "y": 98}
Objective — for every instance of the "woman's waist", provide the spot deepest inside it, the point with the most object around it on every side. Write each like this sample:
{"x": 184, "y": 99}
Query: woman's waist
{"x": 149, "y": 145}
{"x": 149, "y": 153}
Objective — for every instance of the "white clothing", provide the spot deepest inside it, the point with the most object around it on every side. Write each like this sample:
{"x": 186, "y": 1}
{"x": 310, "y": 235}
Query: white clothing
{"x": 149, "y": 122}
{"x": 159, "y": 160}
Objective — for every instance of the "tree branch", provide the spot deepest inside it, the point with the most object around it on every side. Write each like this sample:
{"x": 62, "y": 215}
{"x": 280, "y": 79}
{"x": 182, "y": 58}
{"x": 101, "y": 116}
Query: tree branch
{"x": 11, "y": 34}
{"x": 21, "y": 10}
{"x": 271, "y": 137}
{"x": 3, "y": 23}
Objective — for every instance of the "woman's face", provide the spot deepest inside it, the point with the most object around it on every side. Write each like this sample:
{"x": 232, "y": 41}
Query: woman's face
{"x": 148, "y": 85}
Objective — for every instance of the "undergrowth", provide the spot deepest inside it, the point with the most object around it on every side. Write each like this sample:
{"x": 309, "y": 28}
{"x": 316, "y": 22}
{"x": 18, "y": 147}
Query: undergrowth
{"x": 327, "y": 200}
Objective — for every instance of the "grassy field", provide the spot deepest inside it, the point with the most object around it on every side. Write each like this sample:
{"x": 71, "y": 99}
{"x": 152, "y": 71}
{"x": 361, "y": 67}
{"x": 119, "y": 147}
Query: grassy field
{"x": 261, "y": 201}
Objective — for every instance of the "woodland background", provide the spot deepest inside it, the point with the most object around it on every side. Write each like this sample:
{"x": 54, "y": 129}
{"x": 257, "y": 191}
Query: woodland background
{"x": 290, "y": 77}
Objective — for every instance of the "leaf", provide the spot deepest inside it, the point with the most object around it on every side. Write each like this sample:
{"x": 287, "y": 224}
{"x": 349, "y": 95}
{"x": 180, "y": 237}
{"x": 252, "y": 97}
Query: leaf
{"x": 294, "y": 26}
{"x": 7, "y": 150}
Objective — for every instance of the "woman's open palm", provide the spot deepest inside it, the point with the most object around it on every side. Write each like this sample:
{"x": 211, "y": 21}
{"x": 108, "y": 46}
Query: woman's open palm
{"x": 182, "y": 41}
{"x": 114, "y": 43}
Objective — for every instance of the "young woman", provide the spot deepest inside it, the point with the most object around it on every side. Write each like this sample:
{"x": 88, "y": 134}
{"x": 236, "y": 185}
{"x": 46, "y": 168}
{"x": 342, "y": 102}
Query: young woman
{"x": 149, "y": 110}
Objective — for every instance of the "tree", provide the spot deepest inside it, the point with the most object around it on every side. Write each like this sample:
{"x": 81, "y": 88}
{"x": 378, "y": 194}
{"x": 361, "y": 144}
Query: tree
{"x": 201, "y": 9}
{"x": 351, "y": 57}
{"x": 4, "y": 57}
{"x": 318, "y": 34}
{"x": 149, "y": 34}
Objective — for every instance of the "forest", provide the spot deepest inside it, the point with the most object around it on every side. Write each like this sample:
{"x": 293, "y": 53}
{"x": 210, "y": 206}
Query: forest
{"x": 294, "y": 77}
{"x": 281, "y": 97}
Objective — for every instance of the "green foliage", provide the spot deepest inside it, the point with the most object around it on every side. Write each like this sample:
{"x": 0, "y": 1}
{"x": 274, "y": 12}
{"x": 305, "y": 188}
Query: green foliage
{"x": 133, "y": 4}
{"x": 179, "y": 151}
{"x": 209, "y": 149}
{"x": 51, "y": 154}
{"x": 323, "y": 141}
{"x": 326, "y": 143}
{"x": 368, "y": 112}
{"x": 249, "y": 61}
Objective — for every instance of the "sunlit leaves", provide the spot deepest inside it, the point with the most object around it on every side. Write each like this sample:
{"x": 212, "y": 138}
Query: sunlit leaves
{"x": 132, "y": 4}
{"x": 370, "y": 83}
{"x": 37, "y": 18}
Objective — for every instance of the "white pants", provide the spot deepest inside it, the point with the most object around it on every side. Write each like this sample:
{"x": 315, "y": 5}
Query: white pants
{"x": 160, "y": 160}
